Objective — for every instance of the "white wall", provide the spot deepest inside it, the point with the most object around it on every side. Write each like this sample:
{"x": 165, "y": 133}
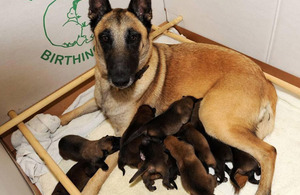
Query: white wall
{"x": 266, "y": 30}
{"x": 27, "y": 75}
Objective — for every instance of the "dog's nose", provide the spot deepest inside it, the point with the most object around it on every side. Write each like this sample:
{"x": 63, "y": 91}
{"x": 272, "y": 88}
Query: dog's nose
{"x": 120, "y": 82}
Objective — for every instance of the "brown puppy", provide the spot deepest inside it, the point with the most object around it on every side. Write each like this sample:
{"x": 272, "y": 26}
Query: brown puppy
{"x": 194, "y": 177}
{"x": 130, "y": 154}
{"x": 238, "y": 106}
{"x": 220, "y": 151}
{"x": 78, "y": 148}
{"x": 79, "y": 174}
{"x": 243, "y": 165}
{"x": 156, "y": 164}
{"x": 169, "y": 122}
{"x": 191, "y": 135}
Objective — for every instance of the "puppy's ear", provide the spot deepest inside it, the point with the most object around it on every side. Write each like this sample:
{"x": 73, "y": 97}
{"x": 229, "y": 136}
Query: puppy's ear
{"x": 143, "y": 11}
{"x": 98, "y": 8}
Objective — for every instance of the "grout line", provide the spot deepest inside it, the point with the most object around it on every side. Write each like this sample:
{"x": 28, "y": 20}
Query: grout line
{"x": 275, "y": 23}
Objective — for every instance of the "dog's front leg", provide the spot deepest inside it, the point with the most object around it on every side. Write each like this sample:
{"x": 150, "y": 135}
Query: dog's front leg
{"x": 88, "y": 107}
{"x": 95, "y": 183}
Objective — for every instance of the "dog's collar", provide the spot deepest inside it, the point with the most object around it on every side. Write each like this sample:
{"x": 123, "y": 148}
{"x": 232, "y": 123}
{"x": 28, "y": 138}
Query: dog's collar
{"x": 140, "y": 73}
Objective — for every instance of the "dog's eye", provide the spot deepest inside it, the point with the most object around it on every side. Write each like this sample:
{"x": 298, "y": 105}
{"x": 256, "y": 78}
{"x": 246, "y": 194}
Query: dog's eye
{"x": 104, "y": 38}
{"x": 133, "y": 37}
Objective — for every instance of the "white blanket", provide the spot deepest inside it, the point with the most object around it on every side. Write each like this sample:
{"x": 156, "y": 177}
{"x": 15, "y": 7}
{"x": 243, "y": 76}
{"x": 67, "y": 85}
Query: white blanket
{"x": 46, "y": 128}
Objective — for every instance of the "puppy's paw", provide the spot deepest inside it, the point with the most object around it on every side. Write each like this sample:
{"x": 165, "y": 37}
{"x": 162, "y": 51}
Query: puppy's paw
{"x": 211, "y": 171}
{"x": 104, "y": 167}
{"x": 151, "y": 188}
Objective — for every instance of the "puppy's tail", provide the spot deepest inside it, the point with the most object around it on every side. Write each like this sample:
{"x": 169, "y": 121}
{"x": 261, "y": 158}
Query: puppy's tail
{"x": 142, "y": 130}
{"x": 121, "y": 165}
{"x": 239, "y": 181}
{"x": 142, "y": 170}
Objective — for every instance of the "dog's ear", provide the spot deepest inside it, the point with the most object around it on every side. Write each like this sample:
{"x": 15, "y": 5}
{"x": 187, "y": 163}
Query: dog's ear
{"x": 98, "y": 8}
{"x": 143, "y": 11}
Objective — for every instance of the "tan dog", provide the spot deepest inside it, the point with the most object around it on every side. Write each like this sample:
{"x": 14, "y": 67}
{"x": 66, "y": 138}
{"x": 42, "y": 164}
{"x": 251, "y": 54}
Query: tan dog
{"x": 238, "y": 105}
{"x": 194, "y": 177}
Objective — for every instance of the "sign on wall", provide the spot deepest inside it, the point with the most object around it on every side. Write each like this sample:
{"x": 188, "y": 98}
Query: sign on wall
{"x": 55, "y": 32}
{"x": 69, "y": 18}
{"x": 44, "y": 45}
{"x": 66, "y": 25}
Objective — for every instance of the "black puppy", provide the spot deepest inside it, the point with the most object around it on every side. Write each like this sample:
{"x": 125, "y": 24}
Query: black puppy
{"x": 244, "y": 167}
{"x": 79, "y": 174}
{"x": 156, "y": 164}
{"x": 222, "y": 154}
{"x": 169, "y": 122}
{"x": 130, "y": 154}
{"x": 95, "y": 152}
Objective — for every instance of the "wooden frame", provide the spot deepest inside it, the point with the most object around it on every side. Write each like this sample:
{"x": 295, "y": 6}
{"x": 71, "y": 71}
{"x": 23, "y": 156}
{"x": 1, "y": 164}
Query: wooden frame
{"x": 53, "y": 167}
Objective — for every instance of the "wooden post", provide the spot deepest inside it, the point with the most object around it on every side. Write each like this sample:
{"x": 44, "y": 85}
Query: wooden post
{"x": 174, "y": 36}
{"x": 285, "y": 85}
{"x": 52, "y": 166}
{"x": 165, "y": 27}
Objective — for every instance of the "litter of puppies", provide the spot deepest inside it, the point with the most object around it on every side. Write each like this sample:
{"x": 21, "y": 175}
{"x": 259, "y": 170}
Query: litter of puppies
{"x": 163, "y": 147}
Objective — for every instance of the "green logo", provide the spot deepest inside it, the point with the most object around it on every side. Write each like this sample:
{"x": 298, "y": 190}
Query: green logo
{"x": 64, "y": 26}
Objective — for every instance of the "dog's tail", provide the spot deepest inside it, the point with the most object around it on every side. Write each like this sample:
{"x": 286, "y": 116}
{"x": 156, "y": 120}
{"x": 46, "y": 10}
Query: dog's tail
{"x": 142, "y": 170}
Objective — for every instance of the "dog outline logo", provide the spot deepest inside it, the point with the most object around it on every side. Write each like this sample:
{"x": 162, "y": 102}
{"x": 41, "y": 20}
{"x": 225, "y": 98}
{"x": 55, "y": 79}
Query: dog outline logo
{"x": 74, "y": 27}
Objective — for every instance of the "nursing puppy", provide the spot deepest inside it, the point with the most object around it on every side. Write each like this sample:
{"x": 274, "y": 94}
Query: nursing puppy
{"x": 193, "y": 175}
{"x": 156, "y": 164}
{"x": 243, "y": 165}
{"x": 79, "y": 174}
{"x": 95, "y": 152}
{"x": 223, "y": 155}
{"x": 191, "y": 135}
{"x": 169, "y": 122}
{"x": 130, "y": 154}
{"x": 238, "y": 106}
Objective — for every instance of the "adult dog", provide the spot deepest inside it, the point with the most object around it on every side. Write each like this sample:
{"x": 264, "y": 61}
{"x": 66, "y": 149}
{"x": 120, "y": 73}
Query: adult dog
{"x": 238, "y": 105}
